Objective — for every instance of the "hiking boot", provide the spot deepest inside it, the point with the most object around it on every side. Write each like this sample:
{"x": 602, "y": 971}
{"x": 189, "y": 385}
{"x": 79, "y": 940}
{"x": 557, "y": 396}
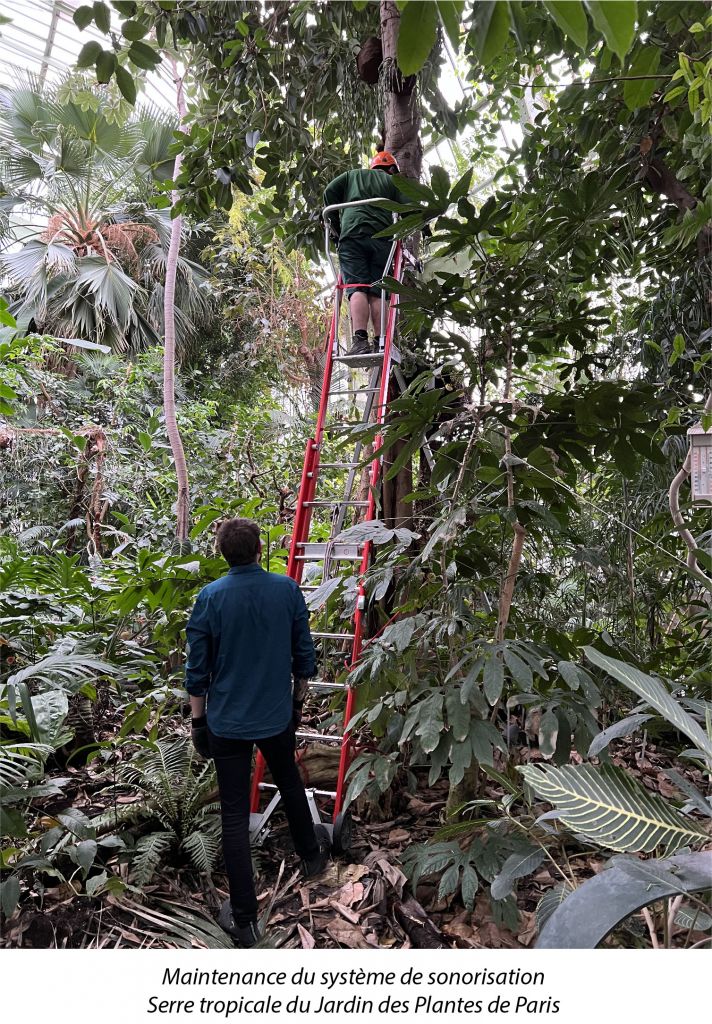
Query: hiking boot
{"x": 361, "y": 345}
{"x": 246, "y": 935}
{"x": 312, "y": 866}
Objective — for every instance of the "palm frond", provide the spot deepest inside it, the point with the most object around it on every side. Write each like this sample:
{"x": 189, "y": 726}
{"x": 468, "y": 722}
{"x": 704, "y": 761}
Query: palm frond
{"x": 22, "y": 762}
{"x": 113, "y": 290}
{"x": 67, "y": 665}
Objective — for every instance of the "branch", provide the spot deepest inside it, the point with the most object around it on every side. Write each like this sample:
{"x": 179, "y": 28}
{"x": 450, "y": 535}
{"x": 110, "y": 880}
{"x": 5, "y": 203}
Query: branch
{"x": 661, "y": 180}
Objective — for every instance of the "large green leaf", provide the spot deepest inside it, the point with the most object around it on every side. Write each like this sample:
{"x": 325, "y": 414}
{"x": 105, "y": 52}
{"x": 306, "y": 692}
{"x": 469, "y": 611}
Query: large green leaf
{"x": 608, "y": 807}
{"x": 570, "y": 16}
{"x": 517, "y": 865}
{"x": 491, "y": 29}
{"x": 638, "y": 89}
{"x": 624, "y": 727}
{"x": 551, "y": 901}
{"x": 601, "y": 903}
{"x": 89, "y": 54}
{"x": 653, "y": 692}
{"x": 615, "y": 20}
{"x": 431, "y": 722}
{"x": 450, "y": 12}
{"x": 416, "y": 35}
{"x": 493, "y": 678}
{"x": 126, "y": 83}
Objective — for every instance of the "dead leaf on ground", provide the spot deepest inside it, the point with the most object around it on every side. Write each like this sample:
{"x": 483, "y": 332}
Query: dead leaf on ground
{"x": 393, "y": 875}
{"x": 528, "y": 930}
{"x": 349, "y": 935}
{"x": 306, "y": 938}
{"x": 398, "y": 835}
{"x": 346, "y": 913}
{"x": 460, "y": 929}
{"x": 350, "y": 893}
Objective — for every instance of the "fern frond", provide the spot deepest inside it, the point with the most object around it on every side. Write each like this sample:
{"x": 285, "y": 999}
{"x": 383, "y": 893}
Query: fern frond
{"x": 149, "y": 852}
{"x": 203, "y": 845}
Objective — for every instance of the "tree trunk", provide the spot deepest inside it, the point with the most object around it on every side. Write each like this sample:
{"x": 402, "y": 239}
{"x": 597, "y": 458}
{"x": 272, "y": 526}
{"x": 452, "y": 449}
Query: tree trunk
{"x": 402, "y": 111}
{"x": 169, "y": 351}
{"x": 402, "y": 139}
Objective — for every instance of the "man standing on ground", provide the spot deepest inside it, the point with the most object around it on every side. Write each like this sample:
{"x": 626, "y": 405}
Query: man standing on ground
{"x": 361, "y": 256}
{"x": 248, "y": 636}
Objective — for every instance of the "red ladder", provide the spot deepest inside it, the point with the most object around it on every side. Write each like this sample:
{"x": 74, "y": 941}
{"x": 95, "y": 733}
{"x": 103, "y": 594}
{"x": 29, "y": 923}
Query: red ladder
{"x": 302, "y": 551}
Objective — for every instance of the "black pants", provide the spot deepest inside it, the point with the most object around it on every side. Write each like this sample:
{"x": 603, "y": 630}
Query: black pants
{"x": 233, "y": 763}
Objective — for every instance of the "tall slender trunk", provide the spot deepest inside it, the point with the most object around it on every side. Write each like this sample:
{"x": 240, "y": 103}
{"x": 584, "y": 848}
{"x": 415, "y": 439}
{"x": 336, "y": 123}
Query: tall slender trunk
{"x": 507, "y": 589}
{"x": 402, "y": 138}
{"x": 169, "y": 350}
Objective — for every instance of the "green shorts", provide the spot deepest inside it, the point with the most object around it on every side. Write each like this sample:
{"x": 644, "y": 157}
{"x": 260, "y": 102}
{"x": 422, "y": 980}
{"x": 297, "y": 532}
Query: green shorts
{"x": 363, "y": 261}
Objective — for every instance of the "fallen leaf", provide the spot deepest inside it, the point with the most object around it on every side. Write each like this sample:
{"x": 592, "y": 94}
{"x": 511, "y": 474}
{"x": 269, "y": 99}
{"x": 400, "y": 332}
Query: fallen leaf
{"x": 398, "y": 835}
{"x": 346, "y": 934}
{"x": 393, "y": 875}
{"x": 306, "y": 938}
{"x": 350, "y": 893}
{"x": 349, "y": 915}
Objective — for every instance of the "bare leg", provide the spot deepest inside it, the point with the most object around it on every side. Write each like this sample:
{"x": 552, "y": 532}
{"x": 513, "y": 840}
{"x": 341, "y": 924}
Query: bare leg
{"x": 358, "y": 305}
{"x": 374, "y": 302}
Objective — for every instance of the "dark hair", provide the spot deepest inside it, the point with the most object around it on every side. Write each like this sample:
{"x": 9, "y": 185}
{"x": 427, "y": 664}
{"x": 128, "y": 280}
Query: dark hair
{"x": 239, "y": 541}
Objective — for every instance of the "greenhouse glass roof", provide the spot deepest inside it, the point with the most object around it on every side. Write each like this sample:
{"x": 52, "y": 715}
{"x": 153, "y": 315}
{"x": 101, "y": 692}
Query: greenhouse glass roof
{"x": 42, "y": 39}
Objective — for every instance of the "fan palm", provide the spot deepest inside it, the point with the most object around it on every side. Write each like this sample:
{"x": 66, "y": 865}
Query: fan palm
{"x": 82, "y": 250}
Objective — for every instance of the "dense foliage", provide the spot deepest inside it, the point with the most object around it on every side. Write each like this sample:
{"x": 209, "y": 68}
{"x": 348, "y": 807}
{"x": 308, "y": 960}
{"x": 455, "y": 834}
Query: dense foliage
{"x": 539, "y": 630}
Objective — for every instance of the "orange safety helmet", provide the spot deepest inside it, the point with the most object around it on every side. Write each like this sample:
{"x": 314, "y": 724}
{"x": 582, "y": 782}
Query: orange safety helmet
{"x": 385, "y": 160}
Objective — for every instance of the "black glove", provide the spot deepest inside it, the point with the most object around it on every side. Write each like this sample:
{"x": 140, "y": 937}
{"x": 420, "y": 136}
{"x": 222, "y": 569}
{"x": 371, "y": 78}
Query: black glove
{"x": 199, "y": 736}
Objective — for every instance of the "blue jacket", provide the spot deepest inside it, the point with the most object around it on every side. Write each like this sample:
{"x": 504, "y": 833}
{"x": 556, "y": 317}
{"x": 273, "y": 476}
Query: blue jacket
{"x": 248, "y": 634}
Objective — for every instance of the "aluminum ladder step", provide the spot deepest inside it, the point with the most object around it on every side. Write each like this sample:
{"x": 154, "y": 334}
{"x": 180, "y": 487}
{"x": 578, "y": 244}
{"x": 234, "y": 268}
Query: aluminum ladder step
{"x": 316, "y": 792}
{"x": 354, "y": 391}
{"x": 333, "y": 636}
{"x": 323, "y": 737}
{"x": 336, "y": 503}
{"x": 324, "y": 685}
{"x": 317, "y": 550}
{"x": 339, "y": 465}
{"x": 366, "y": 359}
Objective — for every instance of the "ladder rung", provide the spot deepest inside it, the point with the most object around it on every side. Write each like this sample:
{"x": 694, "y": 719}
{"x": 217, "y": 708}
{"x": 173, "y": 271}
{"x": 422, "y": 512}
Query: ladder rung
{"x": 334, "y": 558}
{"x": 310, "y": 586}
{"x": 338, "y": 503}
{"x": 355, "y": 391}
{"x": 333, "y": 636}
{"x": 318, "y": 549}
{"x": 316, "y": 792}
{"x": 324, "y": 737}
{"x": 322, "y": 684}
{"x": 339, "y": 465}
{"x": 333, "y": 428}
{"x": 367, "y": 359}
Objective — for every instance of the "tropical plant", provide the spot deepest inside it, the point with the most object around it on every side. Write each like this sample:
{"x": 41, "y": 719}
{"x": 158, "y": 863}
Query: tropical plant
{"x": 84, "y": 249}
{"x": 179, "y": 792}
{"x": 605, "y": 806}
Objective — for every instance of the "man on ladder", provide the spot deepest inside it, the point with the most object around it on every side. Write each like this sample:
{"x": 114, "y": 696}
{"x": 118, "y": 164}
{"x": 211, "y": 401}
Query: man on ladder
{"x": 362, "y": 257}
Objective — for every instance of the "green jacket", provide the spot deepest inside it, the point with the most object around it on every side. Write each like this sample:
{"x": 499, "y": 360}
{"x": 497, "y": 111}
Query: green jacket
{"x": 361, "y": 184}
